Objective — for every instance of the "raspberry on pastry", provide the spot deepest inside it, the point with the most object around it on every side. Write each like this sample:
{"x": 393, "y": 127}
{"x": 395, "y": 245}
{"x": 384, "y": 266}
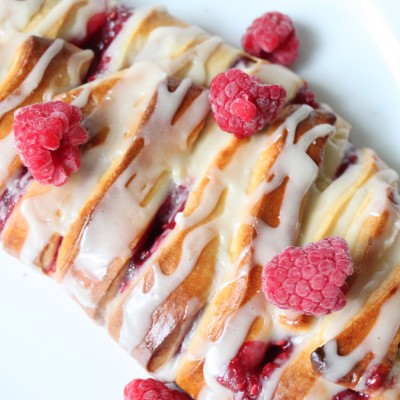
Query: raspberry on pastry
{"x": 47, "y": 137}
{"x": 309, "y": 279}
{"x": 242, "y": 105}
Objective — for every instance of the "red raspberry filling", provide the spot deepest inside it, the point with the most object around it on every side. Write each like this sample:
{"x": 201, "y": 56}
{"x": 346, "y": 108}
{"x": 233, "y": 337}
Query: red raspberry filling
{"x": 242, "y": 105}
{"x": 150, "y": 389}
{"x": 349, "y": 394}
{"x": 47, "y": 136}
{"x": 310, "y": 280}
{"x": 162, "y": 224}
{"x": 103, "y": 30}
{"x": 12, "y": 194}
{"x": 272, "y": 37}
{"x": 350, "y": 158}
{"x": 305, "y": 96}
{"x": 254, "y": 362}
{"x": 378, "y": 377}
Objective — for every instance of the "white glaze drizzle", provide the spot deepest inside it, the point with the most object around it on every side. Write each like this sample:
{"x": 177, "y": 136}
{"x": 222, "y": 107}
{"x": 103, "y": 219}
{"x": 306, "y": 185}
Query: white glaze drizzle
{"x": 82, "y": 99}
{"x": 164, "y": 45}
{"x": 75, "y": 64}
{"x": 118, "y": 51}
{"x": 15, "y": 15}
{"x": 78, "y": 30}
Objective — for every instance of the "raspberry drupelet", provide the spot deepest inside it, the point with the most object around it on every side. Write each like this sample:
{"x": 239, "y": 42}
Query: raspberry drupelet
{"x": 242, "y": 105}
{"x": 150, "y": 389}
{"x": 310, "y": 280}
{"x": 47, "y": 136}
{"x": 272, "y": 37}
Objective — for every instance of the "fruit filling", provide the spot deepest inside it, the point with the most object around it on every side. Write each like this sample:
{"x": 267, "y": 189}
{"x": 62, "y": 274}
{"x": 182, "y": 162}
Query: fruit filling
{"x": 161, "y": 225}
{"x": 102, "y": 30}
{"x": 305, "y": 96}
{"x": 350, "y": 158}
{"x": 254, "y": 363}
{"x": 378, "y": 378}
{"x": 12, "y": 194}
{"x": 349, "y": 394}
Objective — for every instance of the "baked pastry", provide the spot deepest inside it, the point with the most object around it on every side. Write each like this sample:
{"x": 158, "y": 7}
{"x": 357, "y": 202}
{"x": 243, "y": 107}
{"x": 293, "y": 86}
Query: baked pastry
{"x": 178, "y": 282}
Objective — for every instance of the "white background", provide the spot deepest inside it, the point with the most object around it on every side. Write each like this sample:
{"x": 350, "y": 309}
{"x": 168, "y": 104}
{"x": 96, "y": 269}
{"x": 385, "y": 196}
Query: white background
{"x": 350, "y": 55}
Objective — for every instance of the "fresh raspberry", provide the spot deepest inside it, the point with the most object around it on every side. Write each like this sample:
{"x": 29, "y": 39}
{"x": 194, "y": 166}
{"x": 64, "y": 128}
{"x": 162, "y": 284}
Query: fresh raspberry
{"x": 150, "y": 389}
{"x": 47, "y": 136}
{"x": 310, "y": 280}
{"x": 349, "y": 394}
{"x": 242, "y": 105}
{"x": 254, "y": 362}
{"x": 305, "y": 96}
{"x": 272, "y": 37}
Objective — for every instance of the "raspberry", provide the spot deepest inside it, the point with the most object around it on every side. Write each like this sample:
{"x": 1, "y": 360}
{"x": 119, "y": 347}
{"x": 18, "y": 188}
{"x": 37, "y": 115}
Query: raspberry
{"x": 47, "y": 136}
{"x": 310, "y": 280}
{"x": 242, "y": 105}
{"x": 272, "y": 37}
{"x": 150, "y": 389}
{"x": 305, "y": 96}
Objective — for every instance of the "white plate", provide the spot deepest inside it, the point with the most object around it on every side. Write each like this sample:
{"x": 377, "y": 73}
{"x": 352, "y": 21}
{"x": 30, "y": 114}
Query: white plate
{"x": 350, "y": 55}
